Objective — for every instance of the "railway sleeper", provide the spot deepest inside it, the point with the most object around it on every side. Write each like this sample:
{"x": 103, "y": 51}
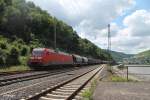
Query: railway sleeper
{"x": 45, "y": 98}
{"x": 56, "y": 96}
{"x": 66, "y": 91}
{"x": 61, "y": 93}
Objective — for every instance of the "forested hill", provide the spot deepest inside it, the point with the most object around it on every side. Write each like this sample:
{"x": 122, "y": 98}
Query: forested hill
{"x": 24, "y": 26}
{"x": 140, "y": 58}
{"x": 119, "y": 56}
{"x": 144, "y": 54}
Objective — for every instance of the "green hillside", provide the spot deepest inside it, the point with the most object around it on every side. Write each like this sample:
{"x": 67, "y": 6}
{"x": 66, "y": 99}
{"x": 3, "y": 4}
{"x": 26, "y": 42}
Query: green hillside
{"x": 140, "y": 58}
{"x": 24, "y": 26}
{"x": 144, "y": 54}
{"x": 119, "y": 56}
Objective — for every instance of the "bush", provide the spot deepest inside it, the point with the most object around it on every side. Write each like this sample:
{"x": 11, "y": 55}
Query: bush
{"x": 2, "y": 57}
{"x": 24, "y": 60}
{"x": 31, "y": 48}
{"x": 13, "y": 57}
{"x": 3, "y": 45}
{"x": 24, "y": 51}
{"x": 14, "y": 52}
{"x": 19, "y": 46}
{"x": 20, "y": 41}
{"x": 2, "y": 61}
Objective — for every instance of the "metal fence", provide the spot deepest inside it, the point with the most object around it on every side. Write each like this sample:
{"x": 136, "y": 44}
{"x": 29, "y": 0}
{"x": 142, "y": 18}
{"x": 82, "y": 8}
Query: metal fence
{"x": 135, "y": 72}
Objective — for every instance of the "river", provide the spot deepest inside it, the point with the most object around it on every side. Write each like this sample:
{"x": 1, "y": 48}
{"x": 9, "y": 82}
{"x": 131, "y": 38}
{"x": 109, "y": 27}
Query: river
{"x": 142, "y": 71}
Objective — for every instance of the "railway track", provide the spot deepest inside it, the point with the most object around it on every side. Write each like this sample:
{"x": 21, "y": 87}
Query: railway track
{"x": 13, "y": 72}
{"x": 8, "y": 81}
{"x": 68, "y": 89}
{"x": 26, "y": 89}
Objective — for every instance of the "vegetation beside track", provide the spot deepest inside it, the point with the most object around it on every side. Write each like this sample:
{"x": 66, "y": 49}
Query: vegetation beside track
{"x": 115, "y": 78}
{"x": 87, "y": 94}
{"x": 14, "y": 68}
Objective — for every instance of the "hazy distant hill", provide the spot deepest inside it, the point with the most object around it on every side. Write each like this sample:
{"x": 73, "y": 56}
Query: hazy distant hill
{"x": 140, "y": 58}
{"x": 143, "y": 54}
{"x": 119, "y": 56}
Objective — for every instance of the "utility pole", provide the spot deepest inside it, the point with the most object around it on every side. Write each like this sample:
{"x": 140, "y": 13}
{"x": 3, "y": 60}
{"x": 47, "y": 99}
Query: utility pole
{"x": 109, "y": 43}
{"x": 55, "y": 24}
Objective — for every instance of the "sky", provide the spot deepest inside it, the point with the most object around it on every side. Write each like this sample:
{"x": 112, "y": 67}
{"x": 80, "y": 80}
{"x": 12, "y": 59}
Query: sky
{"x": 129, "y": 21}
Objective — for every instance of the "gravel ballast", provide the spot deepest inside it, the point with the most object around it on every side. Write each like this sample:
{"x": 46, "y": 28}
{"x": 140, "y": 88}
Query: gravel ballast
{"x": 27, "y": 88}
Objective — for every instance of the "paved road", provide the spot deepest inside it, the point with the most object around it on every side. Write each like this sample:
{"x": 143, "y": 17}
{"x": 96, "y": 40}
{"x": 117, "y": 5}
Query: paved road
{"x": 122, "y": 91}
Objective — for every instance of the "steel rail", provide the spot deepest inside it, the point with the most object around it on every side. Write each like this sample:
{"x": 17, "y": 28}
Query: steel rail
{"x": 30, "y": 77}
{"x": 37, "y": 96}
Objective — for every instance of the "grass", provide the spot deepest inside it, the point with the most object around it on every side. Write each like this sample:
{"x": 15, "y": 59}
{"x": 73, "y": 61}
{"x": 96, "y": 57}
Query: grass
{"x": 15, "y": 68}
{"x": 87, "y": 94}
{"x": 121, "y": 67}
{"x": 115, "y": 78}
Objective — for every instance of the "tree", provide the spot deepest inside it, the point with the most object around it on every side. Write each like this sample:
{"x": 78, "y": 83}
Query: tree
{"x": 23, "y": 20}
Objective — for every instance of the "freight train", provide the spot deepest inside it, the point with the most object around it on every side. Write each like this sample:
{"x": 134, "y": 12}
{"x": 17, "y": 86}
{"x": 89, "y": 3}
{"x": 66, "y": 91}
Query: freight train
{"x": 45, "y": 57}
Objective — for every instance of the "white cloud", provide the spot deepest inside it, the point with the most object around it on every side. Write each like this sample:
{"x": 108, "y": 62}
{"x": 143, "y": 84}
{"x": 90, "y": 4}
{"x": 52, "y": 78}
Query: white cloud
{"x": 135, "y": 37}
{"x": 90, "y": 18}
{"x": 97, "y": 13}
{"x": 138, "y": 24}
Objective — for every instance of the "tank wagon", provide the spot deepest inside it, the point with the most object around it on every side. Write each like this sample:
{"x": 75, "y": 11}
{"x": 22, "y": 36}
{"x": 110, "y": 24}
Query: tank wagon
{"x": 43, "y": 57}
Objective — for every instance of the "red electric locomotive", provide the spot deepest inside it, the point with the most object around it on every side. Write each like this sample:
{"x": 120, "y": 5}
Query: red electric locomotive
{"x": 41, "y": 57}
{"x": 49, "y": 57}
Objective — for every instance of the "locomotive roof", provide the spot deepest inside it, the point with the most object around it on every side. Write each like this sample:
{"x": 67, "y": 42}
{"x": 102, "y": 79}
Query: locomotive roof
{"x": 60, "y": 52}
{"x": 50, "y": 50}
{"x": 38, "y": 49}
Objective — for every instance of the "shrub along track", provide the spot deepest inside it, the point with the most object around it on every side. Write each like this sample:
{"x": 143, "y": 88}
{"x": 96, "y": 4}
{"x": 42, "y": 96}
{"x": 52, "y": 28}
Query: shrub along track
{"x": 27, "y": 89}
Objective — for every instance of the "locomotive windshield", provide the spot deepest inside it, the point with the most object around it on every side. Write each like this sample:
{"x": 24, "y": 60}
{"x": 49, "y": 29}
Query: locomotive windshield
{"x": 37, "y": 52}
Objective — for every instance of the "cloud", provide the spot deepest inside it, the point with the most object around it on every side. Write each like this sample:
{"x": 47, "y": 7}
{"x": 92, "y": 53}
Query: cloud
{"x": 131, "y": 44}
{"x": 97, "y": 13}
{"x": 138, "y": 23}
{"x": 132, "y": 38}
{"x": 90, "y": 19}
{"x": 135, "y": 36}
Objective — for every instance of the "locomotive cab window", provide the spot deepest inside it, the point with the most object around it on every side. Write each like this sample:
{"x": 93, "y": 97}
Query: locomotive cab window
{"x": 37, "y": 52}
